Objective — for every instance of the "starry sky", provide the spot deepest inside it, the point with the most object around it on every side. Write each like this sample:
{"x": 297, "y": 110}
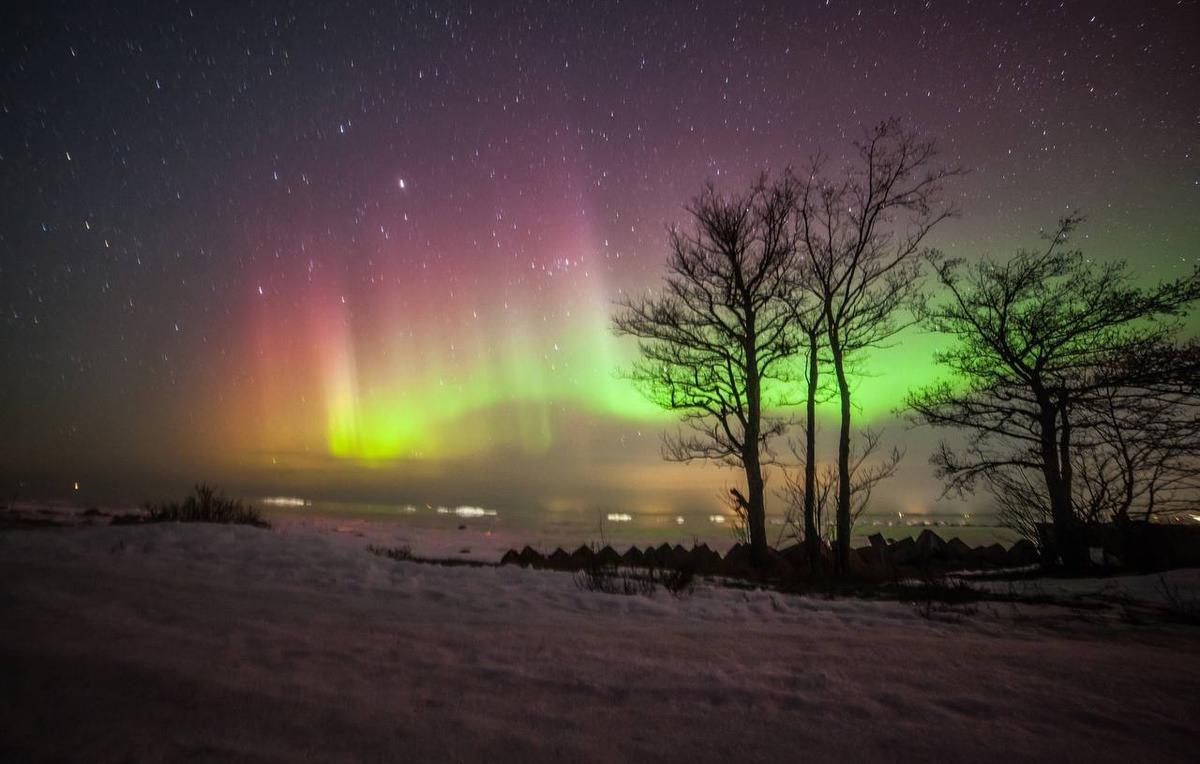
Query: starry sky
{"x": 368, "y": 250}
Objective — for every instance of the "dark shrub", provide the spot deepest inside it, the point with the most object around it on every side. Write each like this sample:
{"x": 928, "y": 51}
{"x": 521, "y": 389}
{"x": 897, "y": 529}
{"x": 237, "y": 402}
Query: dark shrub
{"x": 204, "y": 506}
{"x": 610, "y": 580}
{"x": 398, "y": 553}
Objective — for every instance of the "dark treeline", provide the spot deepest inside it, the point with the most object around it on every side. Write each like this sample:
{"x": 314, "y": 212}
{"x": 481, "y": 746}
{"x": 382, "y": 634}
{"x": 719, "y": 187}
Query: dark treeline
{"x": 1079, "y": 400}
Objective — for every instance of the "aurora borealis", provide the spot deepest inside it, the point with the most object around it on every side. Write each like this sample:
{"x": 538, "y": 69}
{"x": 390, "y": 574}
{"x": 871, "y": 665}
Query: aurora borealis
{"x": 369, "y": 251}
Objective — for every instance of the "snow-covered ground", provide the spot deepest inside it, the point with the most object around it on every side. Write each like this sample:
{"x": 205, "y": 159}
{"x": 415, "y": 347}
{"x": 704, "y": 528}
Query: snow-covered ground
{"x": 169, "y": 642}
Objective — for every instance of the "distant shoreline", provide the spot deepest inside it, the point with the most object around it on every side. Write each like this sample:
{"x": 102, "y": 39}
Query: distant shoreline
{"x": 446, "y": 531}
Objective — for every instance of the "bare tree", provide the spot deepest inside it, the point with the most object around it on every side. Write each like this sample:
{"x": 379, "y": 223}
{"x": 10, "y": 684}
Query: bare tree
{"x": 1142, "y": 455}
{"x": 866, "y": 472}
{"x": 861, "y": 239}
{"x": 1051, "y": 354}
{"x": 715, "y": 341}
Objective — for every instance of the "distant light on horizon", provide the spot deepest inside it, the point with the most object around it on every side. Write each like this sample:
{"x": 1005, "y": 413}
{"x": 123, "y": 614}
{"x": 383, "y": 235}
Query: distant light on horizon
{"x": 465, "y": 511}
{"x": 286, "y": 501}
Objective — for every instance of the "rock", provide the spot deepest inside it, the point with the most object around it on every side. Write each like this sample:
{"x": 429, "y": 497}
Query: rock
{"x": 904, "y": 552}
{"x": 796, "y": 555}
{"x": 860, "y": 564}
{"x": 930, "y": 545}
{"x": 607, "y": 557}
{"x": 680, "y": 556}
{"x": 994, "y": 555}
{"x": 737, "y": 561}
{"x": 738, "y": 564}
{"x": 664, "y": 554}
{"x": 874, "y": 556}
{"x": 706, "y": 560}
{"x": 1022, "y": 553}
{"x": 530, "y": 556}
{"x": 582, "y": 557}
{"x": 650, "y": 558}
{"x": 957, "y": 550}
{"x": 776, "y": 566}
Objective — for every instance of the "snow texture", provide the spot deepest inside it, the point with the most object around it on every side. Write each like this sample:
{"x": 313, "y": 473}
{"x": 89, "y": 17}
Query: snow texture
{"x": 170, "y": 642}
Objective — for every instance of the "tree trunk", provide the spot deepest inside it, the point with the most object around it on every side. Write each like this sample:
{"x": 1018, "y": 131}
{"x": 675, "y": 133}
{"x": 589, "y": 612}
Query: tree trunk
{"x": 1075, "y": 547}
{"x": 756, "y": 521}
{"x": 1068, "y": 541}
{"x": 812, "y": 534}
{"x": 842, "y": 552}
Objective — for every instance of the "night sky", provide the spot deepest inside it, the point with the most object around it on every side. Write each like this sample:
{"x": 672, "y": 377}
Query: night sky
{"x": 368, "y": 250}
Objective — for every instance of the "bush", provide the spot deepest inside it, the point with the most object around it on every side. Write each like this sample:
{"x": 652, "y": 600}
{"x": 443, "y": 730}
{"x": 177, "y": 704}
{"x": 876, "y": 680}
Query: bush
{"x": 609, "y": 579}
{"x": 399, "y": 553}
{"x": 679, "y": 581}
{"x": 1181, "y": 606}
{"x": 935, "y": 597}
{"x": 205, "y": 506}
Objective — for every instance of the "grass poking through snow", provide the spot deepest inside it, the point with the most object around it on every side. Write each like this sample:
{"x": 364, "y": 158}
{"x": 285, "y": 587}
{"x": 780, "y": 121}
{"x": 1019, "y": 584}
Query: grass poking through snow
{"x": 205, "y": 505}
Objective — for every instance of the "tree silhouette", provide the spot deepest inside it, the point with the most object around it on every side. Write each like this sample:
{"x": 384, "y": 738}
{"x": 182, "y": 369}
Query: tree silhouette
{"x": 1143, "y": 458}
{"x": 861, "y": 239}
{"x": 805, "y": 492}
{"x": 812, "y": 493}
{"x": 715, "y": 340}
{"x": 1052, "y": 357}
